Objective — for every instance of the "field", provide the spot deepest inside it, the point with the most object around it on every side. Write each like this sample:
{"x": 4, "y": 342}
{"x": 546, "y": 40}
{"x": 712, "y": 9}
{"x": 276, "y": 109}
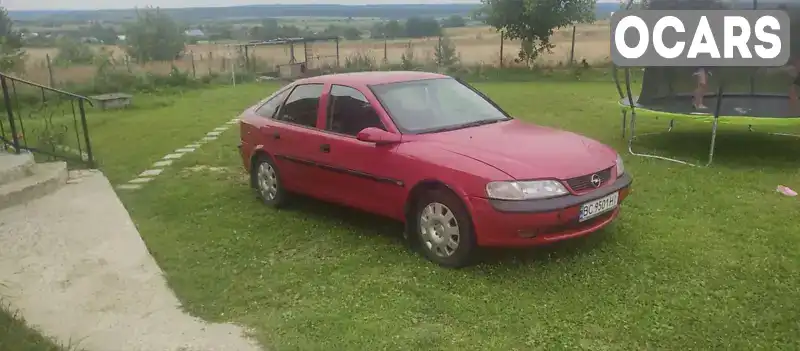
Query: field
{"x": 701, "y": 258}
{"x": 475, "y": 45}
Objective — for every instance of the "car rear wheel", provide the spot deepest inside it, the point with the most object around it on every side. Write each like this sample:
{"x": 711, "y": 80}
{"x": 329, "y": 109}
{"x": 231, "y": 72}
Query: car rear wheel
{"x": 444, "y": 229}
{"x": 268, "y": 184}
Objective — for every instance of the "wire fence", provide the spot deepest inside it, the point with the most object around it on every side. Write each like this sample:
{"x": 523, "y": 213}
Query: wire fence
{"x": 473, "y": 46}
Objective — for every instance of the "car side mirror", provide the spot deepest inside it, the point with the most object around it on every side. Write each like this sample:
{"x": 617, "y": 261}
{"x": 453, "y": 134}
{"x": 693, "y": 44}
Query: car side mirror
{"x": 377, "y": 136}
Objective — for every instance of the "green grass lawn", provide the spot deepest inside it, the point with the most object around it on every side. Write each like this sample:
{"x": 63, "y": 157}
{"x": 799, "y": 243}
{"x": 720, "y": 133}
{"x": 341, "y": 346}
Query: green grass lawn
{"x": 701, "y": 258}
{"x": 16, "y": 336}
{"x": 126, "y": 142}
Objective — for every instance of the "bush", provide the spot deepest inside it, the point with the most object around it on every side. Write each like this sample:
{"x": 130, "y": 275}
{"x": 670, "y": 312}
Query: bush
{"x": 155, "y": 36}
{"x": 12, "y": 60}
{"x": 71, "y": 51}
{"x": 445, "y": 54}
{"x": 360, "y": 61}
{"x": 407, "y": 58}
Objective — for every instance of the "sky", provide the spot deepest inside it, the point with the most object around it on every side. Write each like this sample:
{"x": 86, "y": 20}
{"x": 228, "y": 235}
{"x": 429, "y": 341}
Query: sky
{"x": 13, "y": 5}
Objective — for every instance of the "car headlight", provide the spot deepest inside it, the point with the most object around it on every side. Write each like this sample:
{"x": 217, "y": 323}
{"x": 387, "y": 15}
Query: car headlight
{"x": 620, "y": 166}
{"x": 525, "y": 190}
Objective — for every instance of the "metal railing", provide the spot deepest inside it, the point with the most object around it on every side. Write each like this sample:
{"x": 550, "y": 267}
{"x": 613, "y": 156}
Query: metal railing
{"x": 45, "y": 121}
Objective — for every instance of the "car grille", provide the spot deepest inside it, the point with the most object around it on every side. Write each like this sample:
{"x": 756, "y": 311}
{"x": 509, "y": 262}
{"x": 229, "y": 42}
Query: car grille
{"x": 584, "y": 183}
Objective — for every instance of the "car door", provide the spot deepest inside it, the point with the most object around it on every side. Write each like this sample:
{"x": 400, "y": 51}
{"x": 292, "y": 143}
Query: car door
{"x": 295, "y": 138}
{"x": 361, "y": 174}
{"x": 260, "y": 127}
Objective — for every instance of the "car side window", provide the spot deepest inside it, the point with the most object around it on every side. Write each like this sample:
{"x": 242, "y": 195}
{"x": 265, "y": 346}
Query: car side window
{"x": 269, "y": 108}
{"x": 301, "y": 106}
{"x": 349, "y": 112}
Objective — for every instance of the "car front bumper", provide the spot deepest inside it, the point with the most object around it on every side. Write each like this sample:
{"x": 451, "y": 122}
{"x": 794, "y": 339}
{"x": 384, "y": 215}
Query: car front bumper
{"x": 537, "y": 222}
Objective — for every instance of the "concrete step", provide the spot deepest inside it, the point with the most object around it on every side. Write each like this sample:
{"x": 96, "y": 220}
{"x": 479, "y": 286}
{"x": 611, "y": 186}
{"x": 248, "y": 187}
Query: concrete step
{"x": 14, "y": 167}
{"x": 44, "y": 179}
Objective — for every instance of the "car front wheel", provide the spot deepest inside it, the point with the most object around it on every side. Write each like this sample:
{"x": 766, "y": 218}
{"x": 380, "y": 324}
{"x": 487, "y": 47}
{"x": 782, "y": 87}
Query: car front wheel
{"x": 268, "y": 184}
{"x": 444, "y": 229}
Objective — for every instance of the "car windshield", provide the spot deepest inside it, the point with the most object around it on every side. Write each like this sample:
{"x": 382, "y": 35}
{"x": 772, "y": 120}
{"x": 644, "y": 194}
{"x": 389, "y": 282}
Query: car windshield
{"x": 434, "y": 105}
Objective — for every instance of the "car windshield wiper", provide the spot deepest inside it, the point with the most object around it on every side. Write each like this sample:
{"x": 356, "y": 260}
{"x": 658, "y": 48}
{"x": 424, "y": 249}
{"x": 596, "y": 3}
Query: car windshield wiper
{"x": 464, "y": 125}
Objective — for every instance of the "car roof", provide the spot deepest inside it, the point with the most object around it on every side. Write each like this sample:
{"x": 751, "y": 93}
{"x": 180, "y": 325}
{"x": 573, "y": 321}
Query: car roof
{"x": 371, "y": 78}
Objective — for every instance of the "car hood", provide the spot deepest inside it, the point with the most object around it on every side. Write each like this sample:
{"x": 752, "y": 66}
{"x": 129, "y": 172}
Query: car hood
{"x": 527, "y": 151}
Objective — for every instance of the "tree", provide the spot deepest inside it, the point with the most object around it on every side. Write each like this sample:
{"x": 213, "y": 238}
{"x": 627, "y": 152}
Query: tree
{"x": 535, "y": 21}
{"x": 389, "y": 30}
{"x": 419, "y": 27}
{"x": 12, "y": 57}
{"x": 445, "y": 53}
{"x": 351, "y": 33}
{"x": 270, "y": 29}
{"x": 377, "y": 31}
{"x": 106, "y": 35}
{"x": 454, "y": 21}
{"x": 71, "y": 51}
{"x": 394, "y": 29}
{"x": 13, "y": 38}
{"x": 155, "y": 36}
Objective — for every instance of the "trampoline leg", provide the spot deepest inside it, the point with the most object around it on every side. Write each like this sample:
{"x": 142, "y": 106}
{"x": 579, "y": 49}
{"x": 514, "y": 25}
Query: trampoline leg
{"x": 671, "y": 125}
{"x": 713, "y": 141}
{"x": 633, "y": 136}
{"x": 624, "y": 122}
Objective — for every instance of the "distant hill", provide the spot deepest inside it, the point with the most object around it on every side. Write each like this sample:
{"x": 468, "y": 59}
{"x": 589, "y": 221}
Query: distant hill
{"x": 264, "y": 11}
{"x": 259, "y": 11}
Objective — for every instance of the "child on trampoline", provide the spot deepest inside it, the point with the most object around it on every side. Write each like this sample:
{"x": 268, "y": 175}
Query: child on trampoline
{"x": 701, "y": 74}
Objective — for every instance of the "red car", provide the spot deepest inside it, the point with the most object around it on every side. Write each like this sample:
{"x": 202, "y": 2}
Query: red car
{"x": 435, "y": 153}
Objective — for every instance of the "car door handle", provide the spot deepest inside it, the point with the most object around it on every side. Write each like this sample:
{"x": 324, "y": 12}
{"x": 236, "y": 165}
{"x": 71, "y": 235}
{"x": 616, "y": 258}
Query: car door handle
{"x": 325, "y": 148}
{"x": 275, "y": 134}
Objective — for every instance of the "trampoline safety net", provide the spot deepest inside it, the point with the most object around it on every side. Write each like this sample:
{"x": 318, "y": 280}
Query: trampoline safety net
{"x": 747, "y": 91}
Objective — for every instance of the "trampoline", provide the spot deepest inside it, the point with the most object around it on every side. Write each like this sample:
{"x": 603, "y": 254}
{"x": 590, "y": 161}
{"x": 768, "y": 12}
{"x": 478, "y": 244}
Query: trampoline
{"x": 743, "y": 96}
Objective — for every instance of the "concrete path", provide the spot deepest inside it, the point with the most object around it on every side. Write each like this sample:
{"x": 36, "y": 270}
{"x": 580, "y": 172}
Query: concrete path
{"x": 76, "y": 268}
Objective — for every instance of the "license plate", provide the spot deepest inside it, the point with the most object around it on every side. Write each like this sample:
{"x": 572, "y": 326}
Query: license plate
{"x": 597, "y": 207}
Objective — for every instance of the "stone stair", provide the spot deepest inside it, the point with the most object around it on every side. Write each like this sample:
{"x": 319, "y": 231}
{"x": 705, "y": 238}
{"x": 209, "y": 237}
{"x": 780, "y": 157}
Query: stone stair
{"x": 22, "y": 179}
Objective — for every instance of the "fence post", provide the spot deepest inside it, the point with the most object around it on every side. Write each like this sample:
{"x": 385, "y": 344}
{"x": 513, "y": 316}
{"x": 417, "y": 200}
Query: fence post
{"x": 89, "y": 155}
{"x": 246, "y": 59}
{"x": 385, "y": 50}
{"x": 438, "y": 56}
{"x": 572, "y": 49}
{"x": 502, "y": 41}
{"x": 233, "y": 70}
{"x": 10, "y": 112}
{"x": 50, "y": 72}
{"x": 194, "y": 68}
{"x": 253, "y": 61}
{"x": 337, "y": 52}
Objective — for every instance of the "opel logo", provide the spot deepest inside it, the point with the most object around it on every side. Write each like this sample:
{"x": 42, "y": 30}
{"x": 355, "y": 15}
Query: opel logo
{"x": 596, "y": 180}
